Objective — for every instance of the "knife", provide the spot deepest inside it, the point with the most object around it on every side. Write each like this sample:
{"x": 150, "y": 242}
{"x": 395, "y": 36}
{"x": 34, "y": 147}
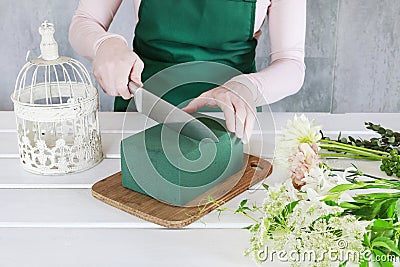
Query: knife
{"x": 174, "y": 118}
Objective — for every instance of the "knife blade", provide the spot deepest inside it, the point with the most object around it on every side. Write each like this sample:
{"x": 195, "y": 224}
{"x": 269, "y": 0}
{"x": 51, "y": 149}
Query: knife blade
{"x": 174, "y": 118}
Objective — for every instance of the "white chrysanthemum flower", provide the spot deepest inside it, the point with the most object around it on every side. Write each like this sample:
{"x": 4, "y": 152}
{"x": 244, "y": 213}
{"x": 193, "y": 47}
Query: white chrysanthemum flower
{"x": 297, "y": 131}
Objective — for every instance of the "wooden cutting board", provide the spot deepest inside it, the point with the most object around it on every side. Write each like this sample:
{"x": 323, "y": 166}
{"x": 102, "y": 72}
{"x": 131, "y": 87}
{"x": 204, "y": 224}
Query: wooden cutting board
{"x": 111, "y": 191}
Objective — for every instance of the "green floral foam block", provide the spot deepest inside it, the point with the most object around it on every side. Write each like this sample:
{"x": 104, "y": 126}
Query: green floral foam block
{"x": 176, "y": 169}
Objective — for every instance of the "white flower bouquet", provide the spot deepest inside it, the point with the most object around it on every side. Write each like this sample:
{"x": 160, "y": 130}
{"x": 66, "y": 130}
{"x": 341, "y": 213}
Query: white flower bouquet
{"x": 326, "y": 217}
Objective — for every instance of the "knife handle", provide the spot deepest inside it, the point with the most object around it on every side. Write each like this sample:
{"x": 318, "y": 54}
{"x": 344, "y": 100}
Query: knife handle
{"x": 137, "y": 94}
{"x": 132, "y": 87}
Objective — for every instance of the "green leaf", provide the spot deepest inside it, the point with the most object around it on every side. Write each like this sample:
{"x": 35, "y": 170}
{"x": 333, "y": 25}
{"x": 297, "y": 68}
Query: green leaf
{"x": 244, "y": 201}
{"x": 380, "y": 254}
{"x": 377, "y": 185}
{"x": 375, "y": 127}
{"x": 331, "y": 203}
{"x": 384, "y": 195}
{"x": 390, "y": 210}
{"x": 386, "y": 243}
{"x": 349, "y": 206}
{"x": 379, "y": 143}
{"x": 247, "y": 227}
{"x": 344, "y": 187}
{"x": 289, "y": 208}
{"x": 387, "y": 208}
{"x": 365, "y": 213}
{"x": 381, "y": 225}
{"x": 265, "y": 186}
{"x": 397, "y": 208}
{"x": 366, "y": 240}
{"x": 380, "y": 195}
{"x": 374, "y": 209}
{"x": 331, "y": 198}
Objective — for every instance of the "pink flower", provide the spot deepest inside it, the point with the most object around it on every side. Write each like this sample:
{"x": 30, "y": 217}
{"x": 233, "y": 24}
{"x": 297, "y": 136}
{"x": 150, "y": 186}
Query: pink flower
{"x": 301, "y": 162}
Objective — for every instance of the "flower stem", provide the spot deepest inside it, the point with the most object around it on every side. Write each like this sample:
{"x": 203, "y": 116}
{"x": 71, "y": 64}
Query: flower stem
{"x": 360, "y": 154}
{"x": 361, "y": 174}
{"x": 349, "y": 149}
{"x": 354, "y": 147}
{"x": 353, "y": 150}
{"x": 338, "y": 155}
{"x": 242, "y": 212}
{"x": 250, "y": 217}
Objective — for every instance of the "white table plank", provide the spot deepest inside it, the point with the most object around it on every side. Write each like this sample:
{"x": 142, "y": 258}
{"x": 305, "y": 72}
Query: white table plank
{"x": 9, "y": 145}
{"x": 14, "y": 176}
{"x": 71, "y": 208}
{"x": 123, "y": 247}
{"x": 7, "y": 121}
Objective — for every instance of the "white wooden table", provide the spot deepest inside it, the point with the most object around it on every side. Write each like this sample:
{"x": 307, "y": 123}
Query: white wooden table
{"x": 54, "y": 221}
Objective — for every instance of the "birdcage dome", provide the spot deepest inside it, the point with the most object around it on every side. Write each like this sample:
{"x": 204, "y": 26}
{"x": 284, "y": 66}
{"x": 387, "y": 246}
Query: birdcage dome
{"x": 56, "y": 106}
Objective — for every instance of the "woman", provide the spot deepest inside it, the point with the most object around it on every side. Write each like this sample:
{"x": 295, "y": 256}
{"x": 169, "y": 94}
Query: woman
{"x": 170, "y": 32}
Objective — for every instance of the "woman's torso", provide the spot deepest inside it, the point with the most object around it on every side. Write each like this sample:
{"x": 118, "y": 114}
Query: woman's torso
{"x": 261, "y": 12}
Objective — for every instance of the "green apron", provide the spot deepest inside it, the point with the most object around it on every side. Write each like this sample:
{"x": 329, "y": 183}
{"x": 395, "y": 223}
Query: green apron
{"x": 170, "y": 32}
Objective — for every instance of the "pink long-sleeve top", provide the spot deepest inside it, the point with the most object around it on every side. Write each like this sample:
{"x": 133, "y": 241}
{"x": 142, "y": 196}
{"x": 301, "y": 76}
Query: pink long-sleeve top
{"x": 286, "y": 26}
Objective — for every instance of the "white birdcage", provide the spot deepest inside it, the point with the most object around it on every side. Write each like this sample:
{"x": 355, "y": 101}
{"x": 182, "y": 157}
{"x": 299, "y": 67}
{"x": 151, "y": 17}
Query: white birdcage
{"x": 56, "y": 107}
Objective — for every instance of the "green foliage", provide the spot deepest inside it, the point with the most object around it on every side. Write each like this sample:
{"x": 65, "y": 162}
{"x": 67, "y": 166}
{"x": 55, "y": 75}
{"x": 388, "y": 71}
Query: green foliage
{"x": 384, "y": 242}
{"x": 391, "y": 164}
{"x": 266, "y": 187}
{"x": 382, "y": 209}
{"x": 288, "y": 209}
{"x": 378, "y": 254}
{"x": 388, "y": 142}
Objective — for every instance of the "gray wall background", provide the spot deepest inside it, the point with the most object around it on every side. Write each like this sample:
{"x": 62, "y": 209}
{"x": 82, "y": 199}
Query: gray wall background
{"x": 352, "y": 51}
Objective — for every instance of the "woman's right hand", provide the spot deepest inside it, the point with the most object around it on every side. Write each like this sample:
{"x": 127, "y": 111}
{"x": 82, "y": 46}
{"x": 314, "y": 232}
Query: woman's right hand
{"x": 114, "y": 65}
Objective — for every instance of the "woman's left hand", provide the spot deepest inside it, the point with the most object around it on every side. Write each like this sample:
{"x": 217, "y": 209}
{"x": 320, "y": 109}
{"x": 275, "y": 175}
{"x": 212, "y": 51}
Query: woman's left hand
{"x": 237, "y": 103}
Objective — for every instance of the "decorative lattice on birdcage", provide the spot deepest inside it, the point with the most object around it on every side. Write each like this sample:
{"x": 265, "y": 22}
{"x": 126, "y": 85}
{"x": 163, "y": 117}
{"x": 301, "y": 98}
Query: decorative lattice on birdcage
{"x": 56, "y": 110}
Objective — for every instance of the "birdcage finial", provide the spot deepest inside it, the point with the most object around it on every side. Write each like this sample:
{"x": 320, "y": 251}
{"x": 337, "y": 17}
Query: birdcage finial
{"x": 48, "y": 45}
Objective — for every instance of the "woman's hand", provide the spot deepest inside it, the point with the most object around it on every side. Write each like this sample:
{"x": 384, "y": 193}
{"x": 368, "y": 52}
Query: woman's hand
{"x": 113, "y": 66}
{"x": 237, "y": 103}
